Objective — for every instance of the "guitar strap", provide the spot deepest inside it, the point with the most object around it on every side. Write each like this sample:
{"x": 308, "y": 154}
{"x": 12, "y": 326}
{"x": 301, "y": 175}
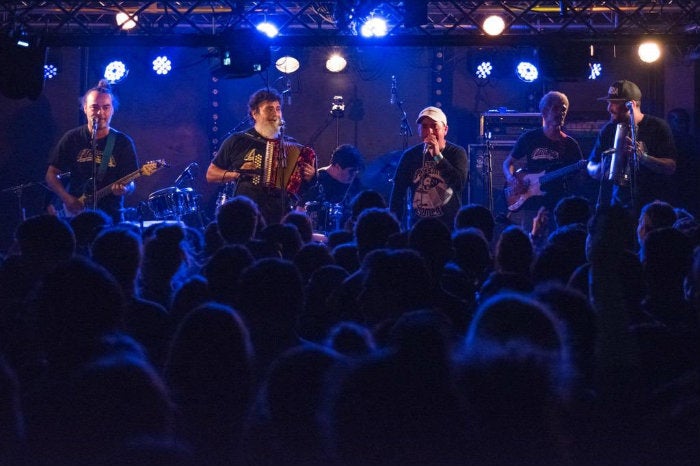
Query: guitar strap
{"x": 106, "y": 155}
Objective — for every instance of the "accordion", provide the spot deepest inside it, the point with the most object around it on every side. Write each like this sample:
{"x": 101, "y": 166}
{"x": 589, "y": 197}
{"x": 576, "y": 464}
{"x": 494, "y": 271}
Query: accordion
{"x": 279, "y": 165}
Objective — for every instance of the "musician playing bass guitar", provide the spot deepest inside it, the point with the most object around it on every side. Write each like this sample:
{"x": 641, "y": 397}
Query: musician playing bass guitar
{"x": 81, "y": 151}
{"x": 550, "y": 160}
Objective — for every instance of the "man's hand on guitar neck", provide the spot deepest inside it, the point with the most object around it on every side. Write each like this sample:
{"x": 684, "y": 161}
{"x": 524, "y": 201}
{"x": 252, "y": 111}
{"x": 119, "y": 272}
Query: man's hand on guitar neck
{"x": 119, "y": 189}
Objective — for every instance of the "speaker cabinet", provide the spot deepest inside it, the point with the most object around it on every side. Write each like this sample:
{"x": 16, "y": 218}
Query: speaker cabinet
{"x": 482, "y": 159}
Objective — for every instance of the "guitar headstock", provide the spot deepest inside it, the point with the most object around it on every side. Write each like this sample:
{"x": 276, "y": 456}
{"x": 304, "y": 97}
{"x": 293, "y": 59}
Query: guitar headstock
{"x": 153, "y": 166}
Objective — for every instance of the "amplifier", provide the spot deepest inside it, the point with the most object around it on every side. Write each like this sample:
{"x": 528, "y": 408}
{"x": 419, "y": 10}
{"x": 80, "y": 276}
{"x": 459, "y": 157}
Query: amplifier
{"x": 498, "y": 126}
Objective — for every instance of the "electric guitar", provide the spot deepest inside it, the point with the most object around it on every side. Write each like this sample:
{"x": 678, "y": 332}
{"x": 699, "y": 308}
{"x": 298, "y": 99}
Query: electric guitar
{"x": 87, "y": 199}
{"x": 527, "y": 185}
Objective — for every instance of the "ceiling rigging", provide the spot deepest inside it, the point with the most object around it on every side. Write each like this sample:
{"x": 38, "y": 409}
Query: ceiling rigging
{"x": 313, "y": 23}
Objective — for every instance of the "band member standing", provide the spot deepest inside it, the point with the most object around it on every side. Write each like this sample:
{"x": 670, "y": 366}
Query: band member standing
{"x": 544, "y": 150}
{"x": 74, "y": 154}
{"x": 656, "y": 152}
{"x": 430, "y": 176}
{"x": 273, "y": 174}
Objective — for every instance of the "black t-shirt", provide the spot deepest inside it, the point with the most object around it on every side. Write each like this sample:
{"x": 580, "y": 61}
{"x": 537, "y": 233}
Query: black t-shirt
{"x": 73, "y": 154}
{"x": 544, "y": 155}
{"x": 657, "y": 136}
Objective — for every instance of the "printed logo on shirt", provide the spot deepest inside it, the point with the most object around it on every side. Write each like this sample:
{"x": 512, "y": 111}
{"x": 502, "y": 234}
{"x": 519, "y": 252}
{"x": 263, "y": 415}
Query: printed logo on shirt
{"x": 543, "y": 153}
{"x": 85, "y": 156}
{"x": 431, "y": 192}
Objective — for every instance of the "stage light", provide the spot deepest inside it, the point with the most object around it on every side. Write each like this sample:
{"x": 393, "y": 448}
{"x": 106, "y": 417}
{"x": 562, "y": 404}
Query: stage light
{"x": 336, "y": 63}
{"x": 596, "y": 70}
{"x": 527, "y": 72}
{"x": 50, "y": 71}
{"x": 374, "y": 27}
{"x": 287, "y": 64}
{"x": 483, "y": 70}
{"x": 115, "y": 71}
{"x": 494, "y": 25}
{"x": 124, "y": 21}
{"x": 162, "y": 65}
{"x": 269, "y": 29}
{"x": 649, "y": 52}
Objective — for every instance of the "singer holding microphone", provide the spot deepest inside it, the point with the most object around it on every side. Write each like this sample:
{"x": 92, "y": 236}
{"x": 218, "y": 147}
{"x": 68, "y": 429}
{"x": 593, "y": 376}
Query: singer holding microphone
{"x": 81, "y": 151}
{"x": 267, "y": 166}
{"x": 430, "y": 176}
{"x": 649, "y": 141}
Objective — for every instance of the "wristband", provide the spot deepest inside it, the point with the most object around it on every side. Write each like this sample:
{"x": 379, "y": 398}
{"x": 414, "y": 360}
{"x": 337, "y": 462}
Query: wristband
{"x": 438, "y": 157}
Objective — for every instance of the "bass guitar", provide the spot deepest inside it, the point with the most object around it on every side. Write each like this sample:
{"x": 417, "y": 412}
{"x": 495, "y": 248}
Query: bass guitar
{"x": 147, "y": 169}
{"x": 527, "y": 185}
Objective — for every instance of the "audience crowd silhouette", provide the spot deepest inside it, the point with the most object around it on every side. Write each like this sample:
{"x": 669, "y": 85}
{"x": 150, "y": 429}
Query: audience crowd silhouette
{"x": 255, "y": 344}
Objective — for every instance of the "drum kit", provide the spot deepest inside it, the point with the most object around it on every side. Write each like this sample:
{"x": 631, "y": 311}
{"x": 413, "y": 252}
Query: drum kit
{"x": 177, "y": 201}
{"x": 325, "y": 216}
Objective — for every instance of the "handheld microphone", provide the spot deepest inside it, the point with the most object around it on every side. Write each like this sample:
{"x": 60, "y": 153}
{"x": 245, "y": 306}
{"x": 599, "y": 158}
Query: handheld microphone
{"x": 392, "y": 99}
{"x": 426, "y": 148}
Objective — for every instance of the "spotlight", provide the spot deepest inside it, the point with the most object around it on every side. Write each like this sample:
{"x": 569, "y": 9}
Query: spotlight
{"x": 649, "y": 52}
{"x": 374, "y": 27}
{"x": 596, "y": 70}
{"x": 483, "y": 71}
{"x": 115, "y": 72}
{"x": 527, "y": 72}
{"x": 336, "y": 63}
{"x": 50, "y": 71}
{"x": 162, "y": 65}
{"x": 494, "y": 25}
{"x": 287, "y": 64}
{"x": 269, "y": 29}
{"x": 124, "y": 21}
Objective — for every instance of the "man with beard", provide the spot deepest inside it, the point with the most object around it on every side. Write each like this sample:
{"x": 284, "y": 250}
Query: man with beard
{"x": 651, "y": 178}
{"x": 266, "y": 166}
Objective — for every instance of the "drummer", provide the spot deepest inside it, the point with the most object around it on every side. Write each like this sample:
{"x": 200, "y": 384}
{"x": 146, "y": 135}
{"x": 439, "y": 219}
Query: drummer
{"x": 336, "y": 184}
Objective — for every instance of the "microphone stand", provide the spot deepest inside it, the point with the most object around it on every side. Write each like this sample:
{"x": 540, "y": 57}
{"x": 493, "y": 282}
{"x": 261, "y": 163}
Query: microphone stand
{"x": 489, "y": 172}
{"x": 282, "y": 167}
{"x": 405, "y": 129}
{"x": 94, "y": 163}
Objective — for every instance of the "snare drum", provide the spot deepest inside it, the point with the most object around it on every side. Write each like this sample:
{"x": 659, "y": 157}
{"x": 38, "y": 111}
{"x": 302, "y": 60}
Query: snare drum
{"x": 173, "y": 202}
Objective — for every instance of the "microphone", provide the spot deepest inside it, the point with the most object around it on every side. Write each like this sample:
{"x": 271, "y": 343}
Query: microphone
{"x": 426, "y": 148}
{"x": 281, "y": 123}
{"x": 392, "y": 99}
{"x": 628, "y": 104}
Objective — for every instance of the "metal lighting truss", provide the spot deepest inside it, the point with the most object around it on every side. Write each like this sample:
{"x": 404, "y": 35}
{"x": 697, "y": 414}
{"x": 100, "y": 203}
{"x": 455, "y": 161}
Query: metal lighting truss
{"x": 435, "y": 23}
